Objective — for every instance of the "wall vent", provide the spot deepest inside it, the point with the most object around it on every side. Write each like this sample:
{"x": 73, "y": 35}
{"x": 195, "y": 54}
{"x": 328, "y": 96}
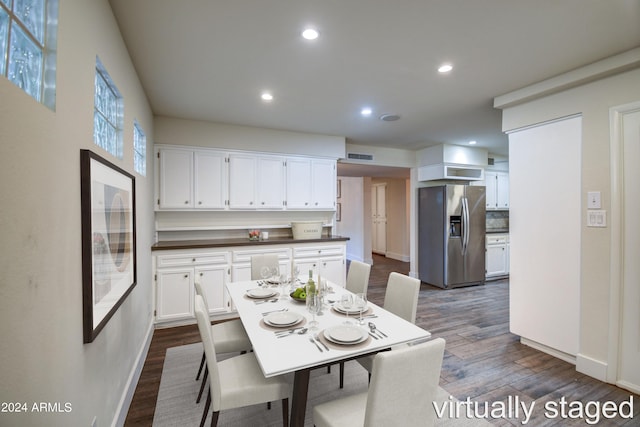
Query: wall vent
{"x": 491, "y": 161}
{"x": 357, "y": 156}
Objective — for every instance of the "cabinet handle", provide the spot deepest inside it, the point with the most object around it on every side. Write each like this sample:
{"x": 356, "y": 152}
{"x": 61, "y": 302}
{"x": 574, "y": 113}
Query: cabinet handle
{"x": 200, "y": 203}
{"x": 263, "y": 203}
{"x": 251, "y": 203}
{"x": 316, "y": 203}
{"x": 306, "y": 203}
{"x": 201, "y": 274}
{"x": 186, "y": 276}
{"x": 186, "y": 202}
{"x": 193, "y": 260}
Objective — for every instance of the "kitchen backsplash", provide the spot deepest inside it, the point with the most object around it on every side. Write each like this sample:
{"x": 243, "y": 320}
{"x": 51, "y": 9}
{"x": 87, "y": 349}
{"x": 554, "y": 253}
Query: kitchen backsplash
{"x": 497, "y": 220}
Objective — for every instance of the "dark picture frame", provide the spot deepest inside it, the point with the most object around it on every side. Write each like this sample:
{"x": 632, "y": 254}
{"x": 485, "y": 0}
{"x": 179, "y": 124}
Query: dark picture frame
{"x": 108, "y": 203}
{"x": 339, "y": 189}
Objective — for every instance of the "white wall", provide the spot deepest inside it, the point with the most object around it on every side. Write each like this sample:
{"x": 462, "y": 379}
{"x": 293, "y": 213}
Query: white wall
{"x": 208, "y": 134}
{"x": 351, "y": 224}
{"x": 43, "y": 358}
{"x": 593, "y": 101}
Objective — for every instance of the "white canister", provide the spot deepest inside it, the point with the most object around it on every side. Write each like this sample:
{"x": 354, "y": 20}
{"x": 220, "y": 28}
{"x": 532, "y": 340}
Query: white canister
{"x": 265, "y": 235}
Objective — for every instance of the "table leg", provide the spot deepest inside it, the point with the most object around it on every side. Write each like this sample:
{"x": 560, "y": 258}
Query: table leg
{"x": 299, "y": 401}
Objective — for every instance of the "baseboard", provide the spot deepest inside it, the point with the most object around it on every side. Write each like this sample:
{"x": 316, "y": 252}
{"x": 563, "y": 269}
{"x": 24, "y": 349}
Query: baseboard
{"x": 552, "y": 351}
{"x": 352, "y": 257}
{"x": 592, "y": 367}
{"x": 398, "y": 257}
{"x": 132, "y": 382}
{"x": 634, "y": 388}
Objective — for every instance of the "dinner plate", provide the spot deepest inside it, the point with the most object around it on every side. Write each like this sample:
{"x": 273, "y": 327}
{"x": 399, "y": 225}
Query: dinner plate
{"x": 352, "y": 310}
{"x": 345, "y": 334}
{"x": 261, "y": 293}
{"x": 282, "y": 318}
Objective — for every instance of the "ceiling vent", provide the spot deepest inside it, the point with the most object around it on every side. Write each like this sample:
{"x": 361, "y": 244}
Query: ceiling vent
{"x": 356, "y": 156}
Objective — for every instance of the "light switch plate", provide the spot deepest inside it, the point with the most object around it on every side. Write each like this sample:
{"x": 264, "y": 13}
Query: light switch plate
{"x": 593, "y": 200}
{"x": 597, "y": 218}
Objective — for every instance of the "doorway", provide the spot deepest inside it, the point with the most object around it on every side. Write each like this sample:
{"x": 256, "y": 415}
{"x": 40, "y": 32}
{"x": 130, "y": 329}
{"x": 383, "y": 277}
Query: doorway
{"x": 379, "y": 219}
{"x": 625, "y": 290}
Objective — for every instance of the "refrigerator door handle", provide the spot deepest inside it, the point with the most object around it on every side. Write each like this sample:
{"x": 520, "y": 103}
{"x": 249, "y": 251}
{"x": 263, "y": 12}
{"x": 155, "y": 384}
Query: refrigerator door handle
{"x": 465, "y": 225}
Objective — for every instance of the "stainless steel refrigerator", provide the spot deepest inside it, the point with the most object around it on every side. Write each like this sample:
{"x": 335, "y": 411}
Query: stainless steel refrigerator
{"x": 451, "y": 233}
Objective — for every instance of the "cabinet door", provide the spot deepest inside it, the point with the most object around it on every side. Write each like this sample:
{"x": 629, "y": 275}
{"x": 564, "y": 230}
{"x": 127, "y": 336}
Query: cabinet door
{"x": 271, "y": 183}
{"x": 491, "y": 183}
{"x": 496, "y": 260}
{"x": 502, "y": 191}
{"x": 213, "y": 280}
{"x": 333, "y": 269}
{"x": 242, "y": 181}
{"x": 298, "y": 183}
{"x": 323, "y": 184}
{"x": 176, "y": 179}
{"x": 210, "y": 183}
{"x": 175, "y": 294}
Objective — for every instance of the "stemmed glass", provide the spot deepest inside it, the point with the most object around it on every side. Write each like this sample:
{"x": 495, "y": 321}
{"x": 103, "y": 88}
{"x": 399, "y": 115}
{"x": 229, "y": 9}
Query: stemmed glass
{"x": 346, "y": 302}
{"x": 275, "y": 274}
{"x": 265, "y": 272}
{"x": 313, "y": 305}
{"x": 360, "y": 304}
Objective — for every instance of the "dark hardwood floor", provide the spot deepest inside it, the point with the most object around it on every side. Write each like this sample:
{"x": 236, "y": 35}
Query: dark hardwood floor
{"x": 483, "y": 360}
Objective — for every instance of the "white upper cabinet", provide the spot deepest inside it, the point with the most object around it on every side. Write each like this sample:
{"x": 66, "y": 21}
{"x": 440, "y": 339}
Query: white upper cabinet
{"x": 192, "y": 179}
{"x": 210, "y": 184}
{"x": 256, "y": 181}
{"x": 323, "y": 177}
{"x": 311, "y": 183}
{"x": 208, "y": 179}
{"x": 176, "y": 179}
{"x": 298, "y": 183}
{"x": 497, "y": 184}
{"x": 242, "y": 181}
{"x": 271, "y": 182}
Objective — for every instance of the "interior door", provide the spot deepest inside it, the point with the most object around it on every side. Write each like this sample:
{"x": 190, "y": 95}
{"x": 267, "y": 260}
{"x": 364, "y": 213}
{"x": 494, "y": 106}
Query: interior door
{"x": 629, "y": 369}
{"x": 379, "y": 218}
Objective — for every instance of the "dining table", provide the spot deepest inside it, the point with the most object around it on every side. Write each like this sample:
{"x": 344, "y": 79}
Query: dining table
{"x": 283, "y": 341}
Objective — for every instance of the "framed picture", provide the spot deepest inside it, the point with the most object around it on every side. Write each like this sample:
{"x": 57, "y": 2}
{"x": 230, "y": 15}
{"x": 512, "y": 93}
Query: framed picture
{"x": 339, "y": 189}
{"x": 108, "y": 240}
{"x": 338, "y": 211}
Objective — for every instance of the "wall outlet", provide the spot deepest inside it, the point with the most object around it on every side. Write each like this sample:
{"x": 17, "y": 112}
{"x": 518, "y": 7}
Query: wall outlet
{"x": 596, "y": 218}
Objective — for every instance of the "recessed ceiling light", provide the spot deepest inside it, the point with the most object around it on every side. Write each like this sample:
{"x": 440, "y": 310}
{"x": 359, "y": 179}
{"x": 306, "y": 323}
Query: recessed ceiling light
{"x": 266, "y": 97}
{"x": 473, "y": 142}
{"x": 445, "y": 68}
{"x": 366, "y": 111}
{"x": 310, "y": 34}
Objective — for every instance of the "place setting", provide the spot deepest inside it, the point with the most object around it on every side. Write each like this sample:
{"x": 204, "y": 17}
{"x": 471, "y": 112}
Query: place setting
{"x": 282, "y": 319}
{"x": 342, "y": 336}
{"x": 262, "y": 295}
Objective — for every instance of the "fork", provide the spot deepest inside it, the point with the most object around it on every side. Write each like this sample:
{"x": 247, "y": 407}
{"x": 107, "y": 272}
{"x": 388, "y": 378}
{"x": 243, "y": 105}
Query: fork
{"x": 265, "y": 301}
{"x": 314, "y": 342}
{"x": 323, "y": 344}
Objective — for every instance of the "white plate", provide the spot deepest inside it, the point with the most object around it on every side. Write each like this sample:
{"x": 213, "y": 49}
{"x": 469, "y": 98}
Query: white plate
{"x": 282, "y": 318}
{"x": 352, "y": 310}
{"x": 345, "y": 334}
{"x": 261, "y": 293}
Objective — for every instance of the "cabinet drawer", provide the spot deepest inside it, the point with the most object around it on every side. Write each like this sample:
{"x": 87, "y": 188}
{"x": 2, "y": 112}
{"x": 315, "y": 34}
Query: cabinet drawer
{"x": 245, "y": 255}
{"x": 497, "y": 239}
{"x": 192, "y": 259}
{"x": 318, "y": 251}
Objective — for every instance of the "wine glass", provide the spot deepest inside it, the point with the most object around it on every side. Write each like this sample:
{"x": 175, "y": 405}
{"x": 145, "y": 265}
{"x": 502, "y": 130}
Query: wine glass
{"x": 361, "y": 303}
{"x": 275, "y": 273}
{"x": 313, "y": 305}
{"x": 265, "y": 272}
{"x": 346, "y": 302}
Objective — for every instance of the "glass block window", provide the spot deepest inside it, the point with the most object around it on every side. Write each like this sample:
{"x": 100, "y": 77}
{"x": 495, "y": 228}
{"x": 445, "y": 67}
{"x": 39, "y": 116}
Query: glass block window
{"x": 107, "y": 113}
{"x": 27, "y": 46}
{"x": 139, "y": 149}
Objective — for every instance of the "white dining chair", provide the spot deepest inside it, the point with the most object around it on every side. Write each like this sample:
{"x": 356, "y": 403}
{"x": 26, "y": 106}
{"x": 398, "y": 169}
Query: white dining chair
{"x": 229, "y": 337}
{"x": 357, "y": 282}
{"x": 404, "y": 385}
{"x": 358, "y": 277}
{"x": 401, "y": 299}
{"x": 238, "y": 381}
{"x": 259, "y": 261}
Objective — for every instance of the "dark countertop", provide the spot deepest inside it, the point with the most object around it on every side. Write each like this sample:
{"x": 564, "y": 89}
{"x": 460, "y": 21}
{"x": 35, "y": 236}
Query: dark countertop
{"x": 497, "y": 231}
{"x": 219, "y": 243}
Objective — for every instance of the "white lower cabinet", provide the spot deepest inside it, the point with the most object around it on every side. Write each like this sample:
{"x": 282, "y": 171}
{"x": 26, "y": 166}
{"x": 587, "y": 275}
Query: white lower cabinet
{"x": 175, "y": 276}
{"x": 497, "y": 255}
{"x": 328, "y": 261}
{"x": 176, "y": 271}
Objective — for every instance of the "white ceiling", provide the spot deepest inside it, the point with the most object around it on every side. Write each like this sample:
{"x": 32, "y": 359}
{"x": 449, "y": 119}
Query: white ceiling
{"x": 210, "y": 60}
